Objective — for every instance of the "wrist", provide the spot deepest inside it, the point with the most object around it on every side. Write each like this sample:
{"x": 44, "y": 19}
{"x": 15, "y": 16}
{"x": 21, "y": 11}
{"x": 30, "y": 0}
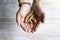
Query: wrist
{"x": 25, "y": 9}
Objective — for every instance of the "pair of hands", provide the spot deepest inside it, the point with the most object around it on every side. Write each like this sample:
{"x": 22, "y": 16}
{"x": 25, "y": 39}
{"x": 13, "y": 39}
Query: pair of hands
{"x": 20, "y": 16}
{"x": 25, "y": 26}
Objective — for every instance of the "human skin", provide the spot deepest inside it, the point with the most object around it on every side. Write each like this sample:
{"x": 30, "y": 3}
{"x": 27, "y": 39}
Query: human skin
{"x": 22, "y": 13}
{"x": 20, "y": 16}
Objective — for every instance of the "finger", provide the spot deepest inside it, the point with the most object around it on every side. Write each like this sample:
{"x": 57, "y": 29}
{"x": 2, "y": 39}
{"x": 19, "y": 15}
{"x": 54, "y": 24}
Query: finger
{"x": 35, "y": 27}
{"x": 23, "y": 28}
{"x": 20, "y": 23}
{"x": 38, "y": 25}
{"x": 28, "y": 27}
